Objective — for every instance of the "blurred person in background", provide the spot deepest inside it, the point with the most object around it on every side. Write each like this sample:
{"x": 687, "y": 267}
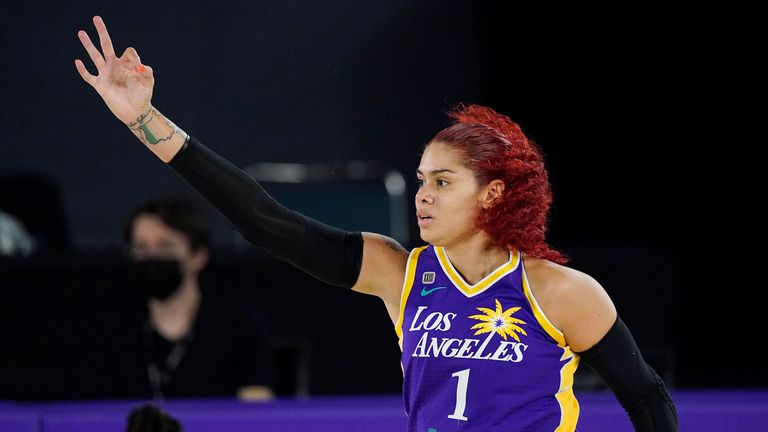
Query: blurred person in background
{"x": 194, "y": 341}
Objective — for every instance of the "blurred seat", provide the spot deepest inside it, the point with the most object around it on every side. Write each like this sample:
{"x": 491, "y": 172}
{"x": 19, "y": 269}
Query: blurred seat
{"x": 356, "y": 196}
{"x": 293, "y": 365}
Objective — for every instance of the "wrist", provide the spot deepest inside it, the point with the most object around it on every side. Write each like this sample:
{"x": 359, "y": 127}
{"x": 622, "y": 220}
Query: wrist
{"x": 158, "y": 133}
{"x": 140, "y": 118}
{"x": 151, "y": 127}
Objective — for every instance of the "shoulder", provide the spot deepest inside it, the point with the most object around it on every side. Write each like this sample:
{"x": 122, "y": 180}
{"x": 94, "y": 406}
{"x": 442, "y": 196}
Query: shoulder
{"x": 383, "y": 268}
{"x": 387, "y": 245}
{"x": 549, "y": 279}
{"x": 573, "y": 301}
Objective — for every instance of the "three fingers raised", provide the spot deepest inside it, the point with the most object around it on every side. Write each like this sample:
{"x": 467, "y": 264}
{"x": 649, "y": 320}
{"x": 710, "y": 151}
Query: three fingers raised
{"x": 99, "y": 59}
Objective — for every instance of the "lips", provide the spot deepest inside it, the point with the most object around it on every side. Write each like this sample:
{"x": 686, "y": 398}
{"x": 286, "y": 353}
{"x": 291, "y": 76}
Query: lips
{"x": 424, "y": 220}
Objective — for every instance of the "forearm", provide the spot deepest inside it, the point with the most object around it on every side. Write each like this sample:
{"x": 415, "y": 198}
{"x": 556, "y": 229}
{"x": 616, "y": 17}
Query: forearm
{"x": 159, "y": 134}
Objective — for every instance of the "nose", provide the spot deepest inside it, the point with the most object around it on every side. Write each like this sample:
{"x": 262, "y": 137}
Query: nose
{"x": 424, "y": 196}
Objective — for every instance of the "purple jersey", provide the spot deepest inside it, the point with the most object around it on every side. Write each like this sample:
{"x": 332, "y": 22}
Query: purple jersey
{"x": 481, "y": 357}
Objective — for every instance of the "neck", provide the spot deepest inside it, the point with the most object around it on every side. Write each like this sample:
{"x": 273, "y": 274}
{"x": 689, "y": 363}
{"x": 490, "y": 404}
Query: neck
{"x": 477, "y": 257}
{"x": 173, "y": 317}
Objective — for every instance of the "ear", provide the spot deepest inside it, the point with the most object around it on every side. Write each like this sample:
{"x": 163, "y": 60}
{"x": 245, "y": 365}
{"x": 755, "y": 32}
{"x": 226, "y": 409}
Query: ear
{"x": 492, "y": 193}
{"x": 200, "y": 258}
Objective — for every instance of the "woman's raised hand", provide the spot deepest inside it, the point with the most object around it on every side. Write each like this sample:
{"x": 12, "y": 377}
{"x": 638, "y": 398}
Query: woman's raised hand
{"x": 123, "y": 82}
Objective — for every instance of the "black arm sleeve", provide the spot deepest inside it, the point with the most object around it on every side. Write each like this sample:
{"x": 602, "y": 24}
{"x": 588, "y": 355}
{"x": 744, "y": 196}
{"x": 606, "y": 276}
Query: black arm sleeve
{"x": 639, "y": 389}
{"x": 332, "y": 255}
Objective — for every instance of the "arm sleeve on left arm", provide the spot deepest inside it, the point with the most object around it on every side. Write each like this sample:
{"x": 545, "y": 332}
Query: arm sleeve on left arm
{"x": 639, "y": 389}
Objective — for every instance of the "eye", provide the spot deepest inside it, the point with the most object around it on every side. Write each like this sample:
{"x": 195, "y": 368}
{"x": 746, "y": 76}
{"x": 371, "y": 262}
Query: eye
{"x": 441, "y": 183}
{"x": 419, "y": 182}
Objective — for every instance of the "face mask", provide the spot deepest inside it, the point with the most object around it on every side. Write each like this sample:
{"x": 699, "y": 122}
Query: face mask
{"x": 159, "y": 278}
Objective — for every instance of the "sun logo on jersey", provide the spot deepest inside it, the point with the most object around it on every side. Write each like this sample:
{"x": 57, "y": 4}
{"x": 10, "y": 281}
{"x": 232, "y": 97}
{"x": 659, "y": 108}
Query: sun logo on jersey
{"x": 500, "y": 321}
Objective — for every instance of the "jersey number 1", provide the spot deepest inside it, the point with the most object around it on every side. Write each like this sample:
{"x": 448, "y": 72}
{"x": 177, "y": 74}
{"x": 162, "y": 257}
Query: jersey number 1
{"x": 461, "y": 394}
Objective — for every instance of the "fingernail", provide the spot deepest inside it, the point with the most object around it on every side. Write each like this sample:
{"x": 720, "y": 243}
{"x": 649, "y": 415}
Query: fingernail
{"x": 141, "y": 68}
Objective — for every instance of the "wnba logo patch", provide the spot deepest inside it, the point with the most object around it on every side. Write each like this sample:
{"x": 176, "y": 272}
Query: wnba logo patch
{"x": 428, "y": 277}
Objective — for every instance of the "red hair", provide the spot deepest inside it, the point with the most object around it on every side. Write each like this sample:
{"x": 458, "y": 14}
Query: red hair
{"x": 494, "y": 147}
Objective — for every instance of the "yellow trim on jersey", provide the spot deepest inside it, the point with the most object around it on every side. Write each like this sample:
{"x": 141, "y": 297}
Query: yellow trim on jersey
{"x": 539, "y": 314}
{"x": 569, "y": 406}
{"x": 410, "y": 272}
{"x": 490, "y": 279}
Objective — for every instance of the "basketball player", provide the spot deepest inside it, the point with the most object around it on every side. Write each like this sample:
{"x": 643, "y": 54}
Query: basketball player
{"x": 491, "y": 324}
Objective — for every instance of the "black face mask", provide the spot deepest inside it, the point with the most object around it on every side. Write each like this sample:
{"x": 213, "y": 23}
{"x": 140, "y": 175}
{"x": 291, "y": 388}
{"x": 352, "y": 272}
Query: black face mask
{"x": 160, "y": 278}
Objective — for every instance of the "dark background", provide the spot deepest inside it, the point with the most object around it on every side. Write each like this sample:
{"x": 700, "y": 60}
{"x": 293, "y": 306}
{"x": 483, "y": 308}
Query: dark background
{"x": 650, "y": 114}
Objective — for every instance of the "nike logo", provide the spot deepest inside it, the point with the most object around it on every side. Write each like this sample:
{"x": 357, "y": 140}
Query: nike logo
{"x": 425, "y": 291}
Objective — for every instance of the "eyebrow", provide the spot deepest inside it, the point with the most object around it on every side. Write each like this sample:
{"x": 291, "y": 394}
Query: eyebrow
{"x": 437, "y": 171}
